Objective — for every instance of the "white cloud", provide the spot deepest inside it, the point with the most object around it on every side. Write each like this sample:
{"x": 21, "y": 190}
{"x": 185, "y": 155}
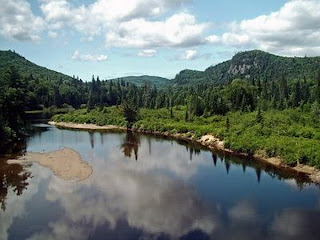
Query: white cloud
{"x": 213, "y": 39}
{"x": 110, "y": 10}
{"x": 189, "y": 55}
{"x": 88, "y": 57}
{"x": 147, "y": 53}
{"x": 18, "y": 22}
{"x": 127, "y": 23}
{"x": 179, "y": 30}
{"x": 122, "y": 23}
{"x": 52, "y": 34}
{"x": 293, "y": 30}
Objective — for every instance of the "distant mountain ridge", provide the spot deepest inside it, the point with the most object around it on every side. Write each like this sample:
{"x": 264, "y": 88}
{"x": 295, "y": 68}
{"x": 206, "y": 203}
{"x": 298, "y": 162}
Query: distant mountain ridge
{"x": 253, "y": 64}
{"x": 141, "y": 80}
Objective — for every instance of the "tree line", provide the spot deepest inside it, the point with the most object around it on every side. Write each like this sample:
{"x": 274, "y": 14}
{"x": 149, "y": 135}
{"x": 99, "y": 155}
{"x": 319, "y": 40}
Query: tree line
{"x": 18, "y": 93}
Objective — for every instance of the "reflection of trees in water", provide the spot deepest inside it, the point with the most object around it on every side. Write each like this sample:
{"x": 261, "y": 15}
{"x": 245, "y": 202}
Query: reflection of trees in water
{"x": 91, "y": 137}
{"x": 259, "y": 167}
{"x": 228, "y": 160}
{"x": 192, "y": 150}
{"x": 12, "y": 176}
{"x": 131, "y": 143}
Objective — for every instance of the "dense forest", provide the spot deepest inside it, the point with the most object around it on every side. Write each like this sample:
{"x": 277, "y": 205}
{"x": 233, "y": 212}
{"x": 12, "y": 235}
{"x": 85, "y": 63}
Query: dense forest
{"x": 251, "y": 82}
{"x": 253, "y": 65}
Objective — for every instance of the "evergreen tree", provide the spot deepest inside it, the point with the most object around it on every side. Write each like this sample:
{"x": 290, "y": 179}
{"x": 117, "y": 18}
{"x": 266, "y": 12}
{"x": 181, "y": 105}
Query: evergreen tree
{"x": 130, "y": 113}
{"x": 316, "y": 111}
{"x": 297, "y": 95}
{"x": 284, "y": 88}
{"x": 187, "y": 114}
{"x": 259, "y": 117}
{"x": 227, "y": 123}
{"x": 318, "y": 88}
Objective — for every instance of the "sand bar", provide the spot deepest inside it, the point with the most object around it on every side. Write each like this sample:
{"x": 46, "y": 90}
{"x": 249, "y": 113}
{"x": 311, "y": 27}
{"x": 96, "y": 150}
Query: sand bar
{"x": 65, "y": 163}
{"x": 85, "y": 126}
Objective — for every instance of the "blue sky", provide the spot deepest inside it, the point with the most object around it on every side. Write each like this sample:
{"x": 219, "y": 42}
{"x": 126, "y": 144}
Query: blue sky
{"x": 114, "y": 38}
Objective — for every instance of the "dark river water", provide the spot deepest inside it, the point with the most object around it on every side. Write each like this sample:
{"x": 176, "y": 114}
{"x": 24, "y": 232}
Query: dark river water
{"x": 144, "y": 187}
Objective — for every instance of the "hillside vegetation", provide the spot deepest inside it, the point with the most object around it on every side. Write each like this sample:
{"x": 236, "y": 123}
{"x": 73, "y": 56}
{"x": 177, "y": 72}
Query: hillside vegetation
{"x": 26, "y": 68}
{"x": 145, "y": 79}
{"x": 253, "y": 65}
{"x": 256, "y": 102}
{"x": 293, "y": 135}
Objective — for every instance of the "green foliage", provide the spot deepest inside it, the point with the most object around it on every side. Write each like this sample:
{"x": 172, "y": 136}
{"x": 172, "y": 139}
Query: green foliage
{"x": 226, "y": 100}
{"x": 259, "y": 116}
{"x": 142, "y": 80}
{"x": 316, "y": 111}
{"x": 130, "y": 113}
{"x": 12, "y": 104}
{"x": 291, "y": 134}
{"x": 254, "y": 65}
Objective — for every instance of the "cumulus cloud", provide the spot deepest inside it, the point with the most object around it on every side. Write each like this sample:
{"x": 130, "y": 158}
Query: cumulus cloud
{"x": 147, "y": 53}
{"x": 191, "y": 54}
{"x": 179, "y": 30}
{"x": 293, "y": 30}
{"x": 52, "y": 34}
{"x": 213, "y": 39}
{"x": 88, "y": 57}
{"x": 18, "y": 22}
{"x": 127, "y": 23}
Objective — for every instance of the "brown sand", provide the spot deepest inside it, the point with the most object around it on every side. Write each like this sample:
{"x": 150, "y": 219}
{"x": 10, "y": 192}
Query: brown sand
{"x": 84, "y": 126}
{"x": 65, "y": 163}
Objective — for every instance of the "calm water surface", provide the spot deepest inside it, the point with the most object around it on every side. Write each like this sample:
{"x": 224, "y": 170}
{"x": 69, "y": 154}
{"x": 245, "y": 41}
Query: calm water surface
{"x": 149, "y": 188}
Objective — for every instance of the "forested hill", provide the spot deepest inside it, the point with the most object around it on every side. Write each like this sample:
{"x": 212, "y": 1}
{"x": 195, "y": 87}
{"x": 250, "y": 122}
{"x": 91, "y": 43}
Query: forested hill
{"x": 142, "y": 80}
{"x": 27, "y": 68}
{"x": 253, "y": 65}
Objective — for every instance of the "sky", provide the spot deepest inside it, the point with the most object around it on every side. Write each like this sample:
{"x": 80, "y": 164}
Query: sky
{"x": 116, "y": 38}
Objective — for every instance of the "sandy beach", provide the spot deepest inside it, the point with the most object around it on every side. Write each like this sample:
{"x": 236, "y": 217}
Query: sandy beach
{"x": 65, "y": 163}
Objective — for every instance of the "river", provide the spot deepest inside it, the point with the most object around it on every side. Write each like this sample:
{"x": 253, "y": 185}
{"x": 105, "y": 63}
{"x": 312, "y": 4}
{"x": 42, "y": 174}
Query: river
{"x": 143, "y": 187}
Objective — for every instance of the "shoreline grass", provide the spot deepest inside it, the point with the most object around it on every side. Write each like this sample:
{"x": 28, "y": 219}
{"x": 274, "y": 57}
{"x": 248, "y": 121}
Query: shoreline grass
{"x": 291, "y": 134}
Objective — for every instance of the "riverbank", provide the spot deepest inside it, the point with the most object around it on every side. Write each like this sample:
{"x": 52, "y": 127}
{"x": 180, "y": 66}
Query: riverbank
{"x": 65, "y": 163}
{"x": 209, "y": 141}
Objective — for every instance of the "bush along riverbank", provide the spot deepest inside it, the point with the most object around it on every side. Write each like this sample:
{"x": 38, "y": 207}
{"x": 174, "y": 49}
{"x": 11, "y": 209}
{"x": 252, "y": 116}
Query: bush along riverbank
{"x": 287, "y": 139}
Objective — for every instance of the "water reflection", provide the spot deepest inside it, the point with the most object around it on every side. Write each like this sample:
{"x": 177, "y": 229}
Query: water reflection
{"x": 130, "y": 144}
{"x": 91, "y": 136}
{"x": 162, "y": 196}
{"x": 14, "y": 177}
{"x": 259, "y": 167}
{"x": 154, "y": 203}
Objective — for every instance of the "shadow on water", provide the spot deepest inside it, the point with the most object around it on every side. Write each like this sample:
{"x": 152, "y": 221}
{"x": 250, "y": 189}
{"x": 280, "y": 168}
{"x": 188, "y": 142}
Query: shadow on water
{"x": 12, "y": 177}
{"x": 130, "y": 145}
{"x": 15, "y": 176}
{"x": 230, "y": 160}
